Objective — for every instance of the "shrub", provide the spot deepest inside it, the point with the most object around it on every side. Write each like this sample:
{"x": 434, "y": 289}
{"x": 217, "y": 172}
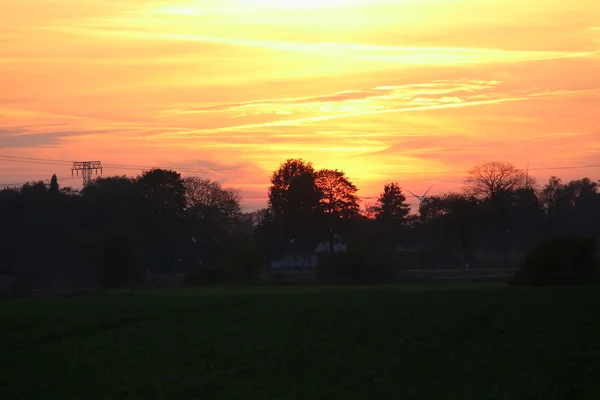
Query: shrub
{"x": 117, "y": 261}
{"x": 569, "y": 260}
{"x": 244, "y": 263}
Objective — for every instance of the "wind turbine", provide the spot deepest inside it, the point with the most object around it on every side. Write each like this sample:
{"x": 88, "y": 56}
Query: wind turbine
{"x": 421, "y": 198}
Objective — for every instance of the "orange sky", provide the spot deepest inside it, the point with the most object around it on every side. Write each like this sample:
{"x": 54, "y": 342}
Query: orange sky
{"x": 414, "y": 91}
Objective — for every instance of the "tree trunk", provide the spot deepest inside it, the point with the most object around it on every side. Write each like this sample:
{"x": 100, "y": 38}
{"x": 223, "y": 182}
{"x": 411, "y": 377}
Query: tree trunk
{"x": 331, "y": 242}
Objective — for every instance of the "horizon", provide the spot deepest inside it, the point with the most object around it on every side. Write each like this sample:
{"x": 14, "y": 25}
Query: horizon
{"x": 387, "y": 91}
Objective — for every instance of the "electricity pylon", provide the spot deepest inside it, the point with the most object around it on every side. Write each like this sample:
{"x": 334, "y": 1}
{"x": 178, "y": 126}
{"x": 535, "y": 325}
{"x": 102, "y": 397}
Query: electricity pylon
{"x": 86, "y": 168}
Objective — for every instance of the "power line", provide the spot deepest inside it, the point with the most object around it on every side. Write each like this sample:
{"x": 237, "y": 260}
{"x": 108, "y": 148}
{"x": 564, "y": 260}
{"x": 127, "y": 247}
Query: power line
{"x": 46, "y": 161}
{"x": 128, "y": 166}
{"x": 18, "y": 184}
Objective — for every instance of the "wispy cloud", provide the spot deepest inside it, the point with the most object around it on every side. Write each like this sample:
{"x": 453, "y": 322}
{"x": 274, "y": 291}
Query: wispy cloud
{"x": 358, "y": 103}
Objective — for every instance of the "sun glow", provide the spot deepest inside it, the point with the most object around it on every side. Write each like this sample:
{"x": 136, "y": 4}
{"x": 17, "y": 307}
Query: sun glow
{"x": 413, "y": 91}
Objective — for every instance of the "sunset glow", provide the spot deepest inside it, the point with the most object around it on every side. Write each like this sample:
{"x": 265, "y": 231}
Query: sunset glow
{"x": 413, "y": 91}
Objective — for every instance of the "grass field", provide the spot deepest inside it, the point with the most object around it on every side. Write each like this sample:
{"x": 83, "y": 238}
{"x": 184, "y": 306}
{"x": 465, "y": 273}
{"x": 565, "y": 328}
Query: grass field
{"x": 436, "y": 341}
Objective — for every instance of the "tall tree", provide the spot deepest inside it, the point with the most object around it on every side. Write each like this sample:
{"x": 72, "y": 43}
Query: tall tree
{"x": 391, "y": 204}
{"x": 162, "y": 193}
{"x": 391, "y": 211}
{"x": 54, "y": 185}
{"x": 549, "y": 197}
{"x": 339, "y": 200}
{"x": 497, "y": 183}
{"x": 293, "y": 170}
{"x": 162, "y": 204}
{"x": 294, "y": 206}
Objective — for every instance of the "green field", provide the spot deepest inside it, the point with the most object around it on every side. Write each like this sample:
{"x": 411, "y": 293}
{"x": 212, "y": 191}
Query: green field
{"x": 437, "y": 341}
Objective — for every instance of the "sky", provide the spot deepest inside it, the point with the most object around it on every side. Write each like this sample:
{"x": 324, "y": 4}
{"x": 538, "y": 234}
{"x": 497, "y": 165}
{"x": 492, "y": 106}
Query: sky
{"x": 409, "y": 91}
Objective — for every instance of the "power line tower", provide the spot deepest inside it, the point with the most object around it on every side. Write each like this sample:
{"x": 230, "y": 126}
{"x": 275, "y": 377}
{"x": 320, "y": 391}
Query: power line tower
{"x": 86, "y": 168}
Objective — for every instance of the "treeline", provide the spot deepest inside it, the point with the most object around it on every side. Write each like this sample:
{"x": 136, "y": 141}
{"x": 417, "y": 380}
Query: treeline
{"x": 117, "y": 229}
{"x": 500, "y": 213}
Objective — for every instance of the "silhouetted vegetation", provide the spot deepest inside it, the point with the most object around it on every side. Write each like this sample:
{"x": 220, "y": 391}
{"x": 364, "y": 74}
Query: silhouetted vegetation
{"x": 568, "y": 260}
{"x": 117, "y": 231}
{"x": 116, "y": 260}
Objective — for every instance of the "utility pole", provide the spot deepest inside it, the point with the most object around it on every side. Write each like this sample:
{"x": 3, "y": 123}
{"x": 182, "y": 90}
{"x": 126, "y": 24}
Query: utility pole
{"x": 86, "y": 168}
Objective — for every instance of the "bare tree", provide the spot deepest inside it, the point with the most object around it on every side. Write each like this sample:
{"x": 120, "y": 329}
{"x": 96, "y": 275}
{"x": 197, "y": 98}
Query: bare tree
{"x": 497, "y": 183}
{"x": 494, "y": 178}
{"x": 207, "y": 194}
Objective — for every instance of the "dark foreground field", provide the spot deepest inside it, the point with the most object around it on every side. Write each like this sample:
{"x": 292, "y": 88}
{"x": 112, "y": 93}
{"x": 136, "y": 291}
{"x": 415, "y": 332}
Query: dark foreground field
{"x": 419, "y": 342}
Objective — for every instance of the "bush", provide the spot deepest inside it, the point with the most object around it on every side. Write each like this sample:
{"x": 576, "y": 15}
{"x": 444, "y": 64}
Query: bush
{"x": 241, "y": 265}
{"x": 117, "y": 261}
{"x": 244, "y": 263}
{"x": 354, "y": 267}
{"x": 569, "y": 260}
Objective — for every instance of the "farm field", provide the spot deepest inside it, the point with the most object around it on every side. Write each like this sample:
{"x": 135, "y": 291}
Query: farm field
{"x": 429, "y": 341}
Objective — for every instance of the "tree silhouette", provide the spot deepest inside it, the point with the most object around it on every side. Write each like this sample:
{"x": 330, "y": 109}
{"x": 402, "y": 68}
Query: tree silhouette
{"x": 494, "y": 179}
{"x": 294, "y": 206}
{"x": 549, "y": 196}
{"x": 204, "y": 196}
{"x": 281, "y": 180}
{"x": 54, "y": 185}
{"x": 110, "y": 201}
{"x": 455, "y": 219}
{"x": 391, "y": 211}
{"x": 163, "y": 194}
{"x": 339, "y": 200}
{"x": 497, "y": 183}
{"x": 391, "y": 204}
{"x": 161, "y": 209}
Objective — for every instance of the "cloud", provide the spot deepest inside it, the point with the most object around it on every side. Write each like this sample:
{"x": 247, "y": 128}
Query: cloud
{"x": 427, "y": 96}
{"x": 386, "y": 90}
{"x": 18, "y": 138}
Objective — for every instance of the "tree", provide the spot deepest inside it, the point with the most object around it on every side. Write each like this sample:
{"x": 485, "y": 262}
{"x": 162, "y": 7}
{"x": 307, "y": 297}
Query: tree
{"x": 494, "y": 179}
{"x": 161, "y": 211}
{"x": 292, "y": 170}
{"x": 207, "y": 198}
{"x": 294, "y": 205}
{"x": 497, "y": 183}
{"x": 454, "y": 218}
{"x": 54, "y": 185}
{"x": 391, "y": 211}
{"x": 338, "y": 201}
{"x": 549, "y": 196}
{"x": 163, "y": 195}
{"x": 110, "y": 201}
{"x": 391, "y": 204}
{"x": 579, "y": 204}
{"x": 526, "y": 218}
